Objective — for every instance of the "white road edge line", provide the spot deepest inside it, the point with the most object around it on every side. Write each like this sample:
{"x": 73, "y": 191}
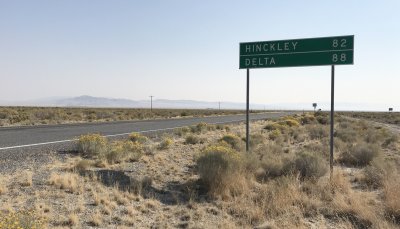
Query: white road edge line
{"x": 112, "y": 135}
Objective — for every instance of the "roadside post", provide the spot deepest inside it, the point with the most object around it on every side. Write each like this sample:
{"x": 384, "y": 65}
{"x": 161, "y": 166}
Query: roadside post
{"x": 151, "y": 103}
{"x": 315, "y": 106}
{"x": 323, "y": 51}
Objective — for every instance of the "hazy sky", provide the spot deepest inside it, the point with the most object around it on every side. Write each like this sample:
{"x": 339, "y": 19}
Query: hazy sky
{"x": 190, "y": 50}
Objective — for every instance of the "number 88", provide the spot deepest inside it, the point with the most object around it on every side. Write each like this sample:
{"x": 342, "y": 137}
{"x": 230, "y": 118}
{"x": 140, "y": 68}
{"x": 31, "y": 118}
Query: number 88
{"x": 336, "y": 58}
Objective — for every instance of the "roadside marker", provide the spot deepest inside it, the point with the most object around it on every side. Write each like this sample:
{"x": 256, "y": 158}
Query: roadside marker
{"x": 321, "y": 51}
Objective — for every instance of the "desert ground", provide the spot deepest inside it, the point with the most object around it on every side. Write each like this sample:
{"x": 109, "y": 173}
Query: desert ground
{"x": 201, "y": 177}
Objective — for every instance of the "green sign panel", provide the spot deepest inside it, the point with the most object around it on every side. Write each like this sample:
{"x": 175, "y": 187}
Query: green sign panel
{"x": 298, "y": 52}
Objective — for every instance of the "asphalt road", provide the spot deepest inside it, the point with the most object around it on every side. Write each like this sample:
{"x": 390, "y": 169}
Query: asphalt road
{"x": 34, "y": 136}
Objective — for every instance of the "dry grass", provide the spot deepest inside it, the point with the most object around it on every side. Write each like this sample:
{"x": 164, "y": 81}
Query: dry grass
{"x": 391, "y": 196}
{"x": 73, "y": 220}
{"x": 69, "y": 182}
{"x": 3, "y": 185}
{"x": 83, "y": 165}
{"x": 96, "y": 219}
{"x": 25, "y": 179}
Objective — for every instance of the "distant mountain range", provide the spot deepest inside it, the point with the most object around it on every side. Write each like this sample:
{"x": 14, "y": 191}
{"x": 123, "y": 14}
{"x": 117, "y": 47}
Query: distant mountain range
{"x": 90, "y": 101}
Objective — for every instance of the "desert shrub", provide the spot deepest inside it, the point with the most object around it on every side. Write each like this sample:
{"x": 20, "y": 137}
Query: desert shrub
{"x": 133, "y": 150}
{"x": 3, "y": 115}
{"x": 297, "y": 133}
{"x": 192, "y": 139}
{"x": 114, "y": 156}
{"x": 274, "y": 135}
{"x": 137, "y": 137}
{"x": 392, "y": 198}
{"x": 255, "y": 139}
{"x": 211, "y": 127}
{"x": 340, "y": 145}
{"x": 308, "y": 165}
{"x": 218, "y": 167}
{"x": 269, "y": 150}
{"x": 124, "y": 150}
{"x": 22, "y": 219}
{"x": 319, "y": 147}
{"x": 377, "y": 172}
{"x": 200, "y": 127}
{"x": 234, "y": 141}
{"x": 103, "y": 115}
{"x": 291, "y": 122}
{"x": 251, "y": 163}
{"x": 100, "y": 163}
{"x": 348, "y": 135}
{"x": 318, "y": 131}
{"x": 373, "y": 135}
{"x": 116, "y": 153}
{"x": 307, "y": 119}
{"x": 46, "y": 114}
{"x": 83, "y": 165}
{"x": 343, "y": 124}
{"x": 322, "y": 118}
{"x": 273, "y": 166}
{"x": 220, "y": 127}
{"x": 271, "y": 126}
{"x": 390, "y": 140}
{"x": 165, "y": 143}
{"x": 360, "y": 154}
{"x": 182, "y": 131}
{"x": 276, "y": 126}
{"x": 92, "y": 145}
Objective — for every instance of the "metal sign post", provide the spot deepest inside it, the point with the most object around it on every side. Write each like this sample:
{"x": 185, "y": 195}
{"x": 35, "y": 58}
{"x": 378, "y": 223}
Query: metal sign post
{"x": 321, "y": 51}
{"x": 332, "y": 120}
{"x": 247, "y": 110}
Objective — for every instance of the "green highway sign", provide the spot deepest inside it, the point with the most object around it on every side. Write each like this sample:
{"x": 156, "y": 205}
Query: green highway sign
{"x": 298, "y": 52}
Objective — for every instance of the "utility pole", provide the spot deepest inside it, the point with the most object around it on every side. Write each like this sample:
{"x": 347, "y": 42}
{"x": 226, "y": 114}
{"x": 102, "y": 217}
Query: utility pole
{"x": 219, "y": 105}
{"x": 151, "y": 103}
